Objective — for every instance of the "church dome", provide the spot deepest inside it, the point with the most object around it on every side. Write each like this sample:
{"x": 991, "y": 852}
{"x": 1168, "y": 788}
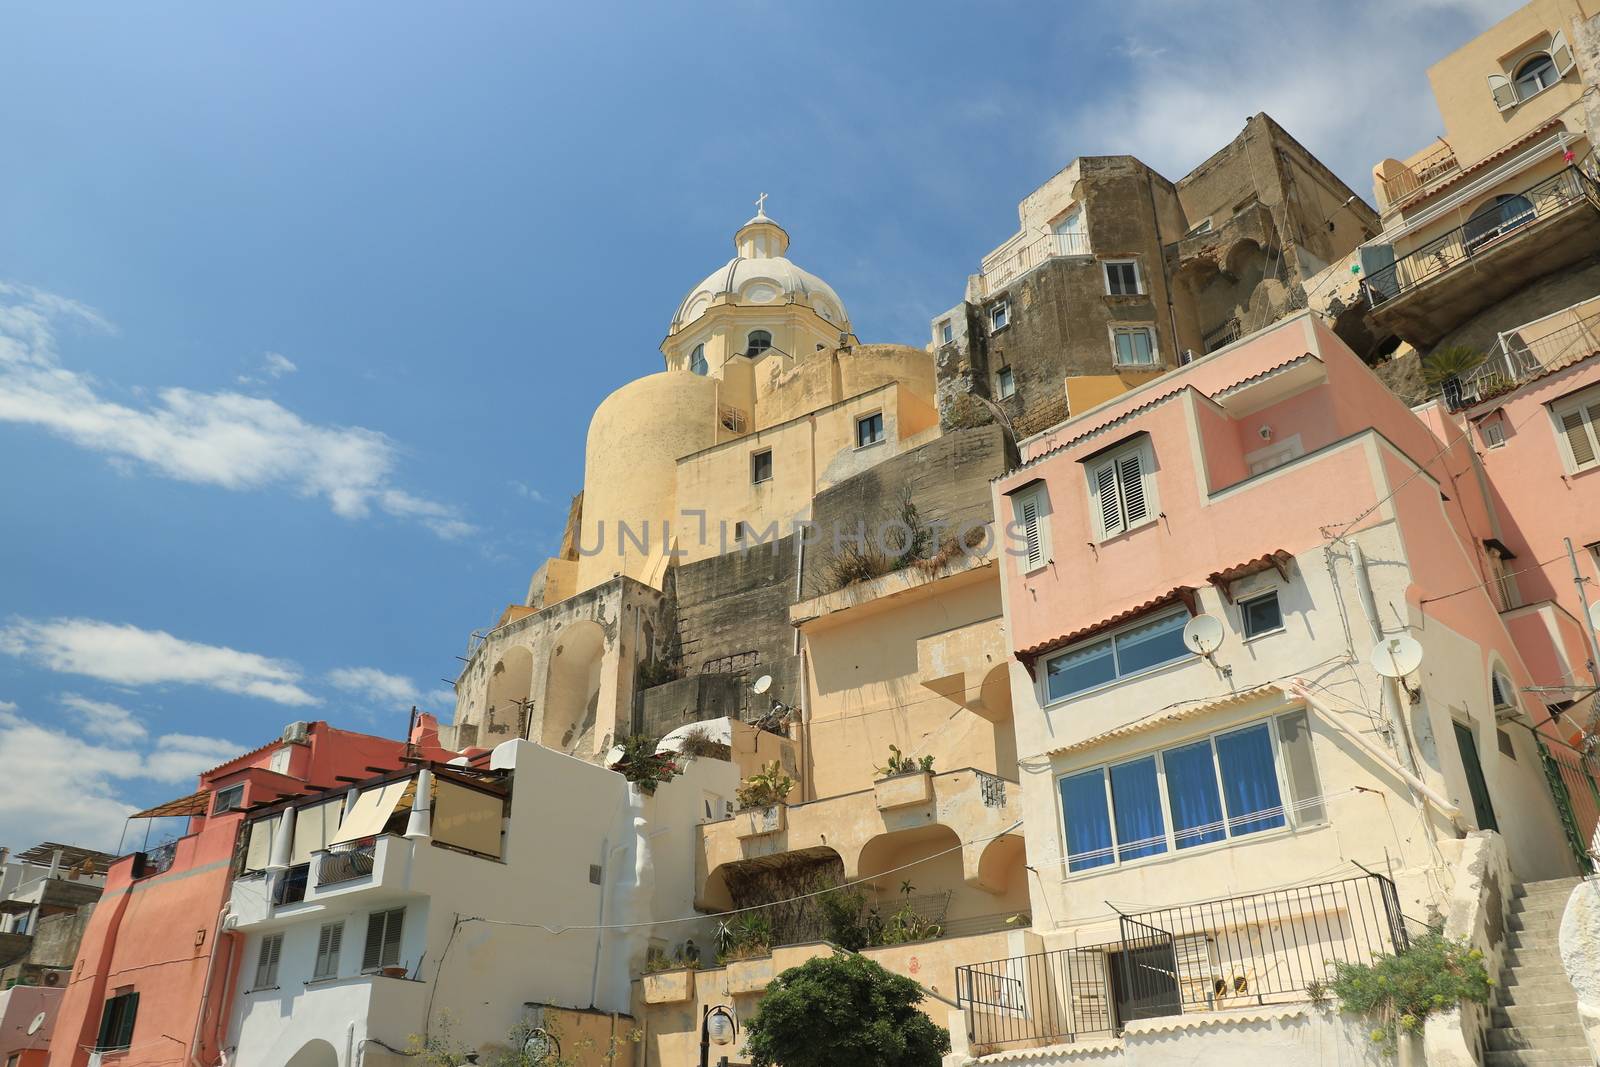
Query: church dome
{"x": 759, "y": 274}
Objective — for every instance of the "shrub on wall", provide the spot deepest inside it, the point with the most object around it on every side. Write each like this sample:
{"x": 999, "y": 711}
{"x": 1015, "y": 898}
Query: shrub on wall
{"x": 1399, "y": 992}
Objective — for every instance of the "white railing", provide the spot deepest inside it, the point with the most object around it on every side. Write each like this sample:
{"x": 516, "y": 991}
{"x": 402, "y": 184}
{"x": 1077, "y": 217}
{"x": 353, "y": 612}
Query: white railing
{"x": 1000, "y": 270}
{"x": 1533, "y": 349}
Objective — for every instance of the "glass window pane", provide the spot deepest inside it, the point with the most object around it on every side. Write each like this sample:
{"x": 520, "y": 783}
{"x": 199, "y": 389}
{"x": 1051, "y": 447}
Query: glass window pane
{"x": 1300, "y": 767}
{"x": 1124, "y": 346}
{"x": 1136, "y": 800}
{"x": 1262, "y": 614}
{"x": 1083, "y": 802}
{"x": 1141, "y": 346}
{"x": 1249, "y": 780}
{"x": 1153, "y": 643}
{"x": 1192, "y": 795}
{"x": 1082, "y": 668}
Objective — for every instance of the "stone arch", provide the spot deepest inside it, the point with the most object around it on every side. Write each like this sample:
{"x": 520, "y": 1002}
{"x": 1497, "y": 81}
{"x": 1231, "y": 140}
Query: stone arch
{"x": 993, "y": 864}
{"x": 510, "y": 683}
{"x": 1244, "y": 255}
{"x": 572, "y": 685}
{"x": 935, "y": 850}
{"x": 315, "y": 1053}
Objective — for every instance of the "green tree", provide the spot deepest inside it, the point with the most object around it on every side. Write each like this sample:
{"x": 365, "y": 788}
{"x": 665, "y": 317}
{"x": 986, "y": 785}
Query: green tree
{"x": 1449, "y": 361}
{"x": 844, "y": 1009}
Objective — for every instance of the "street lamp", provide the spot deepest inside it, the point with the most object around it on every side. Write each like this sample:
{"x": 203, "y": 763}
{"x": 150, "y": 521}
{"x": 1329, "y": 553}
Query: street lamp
{"x": 717, "y": 1026}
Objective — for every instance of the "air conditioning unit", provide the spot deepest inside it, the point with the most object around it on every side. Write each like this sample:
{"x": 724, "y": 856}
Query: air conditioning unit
{"x": 727, "y": 809}
{"x": 296, "y": 733}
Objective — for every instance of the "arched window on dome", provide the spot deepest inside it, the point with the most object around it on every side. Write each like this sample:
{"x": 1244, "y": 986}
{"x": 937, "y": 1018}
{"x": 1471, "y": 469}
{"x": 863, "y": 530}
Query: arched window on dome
{"x": 697, "y": 360}
{"x": 759, "y": 341}
{"x": 1536, "y": 75}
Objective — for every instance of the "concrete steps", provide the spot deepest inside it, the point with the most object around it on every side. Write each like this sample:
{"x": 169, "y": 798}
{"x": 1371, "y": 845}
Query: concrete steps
{"x": 1534, "y": 1020}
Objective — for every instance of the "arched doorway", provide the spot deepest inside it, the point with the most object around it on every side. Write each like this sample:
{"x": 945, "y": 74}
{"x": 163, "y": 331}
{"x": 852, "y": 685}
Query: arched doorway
{"x": 1502, "y": 215}
{"x": 572, "y": 686}
{"x": 315, "y": 1053}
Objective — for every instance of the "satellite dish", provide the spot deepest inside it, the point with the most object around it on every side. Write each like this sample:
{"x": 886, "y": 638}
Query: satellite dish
{"x": 1396, "y": 657}
{"x": 38, "y": 1021}
{"x": 1203, "y": 633}
{"x": 1594, "y": 615}
{"x": 614, "y": 756}
{"x": 761, "y": 684}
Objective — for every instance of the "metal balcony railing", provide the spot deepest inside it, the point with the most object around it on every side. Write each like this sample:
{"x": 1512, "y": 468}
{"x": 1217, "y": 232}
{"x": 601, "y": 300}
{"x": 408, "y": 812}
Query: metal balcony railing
{"x": 1480, "y": 234}
{"x": 1030, "y": 254}
{"x": 1439, "y": 163}
{"x": 1529, "y": 351}
{"x": 1257, "y": 949}
{"x": 346, "y": 866}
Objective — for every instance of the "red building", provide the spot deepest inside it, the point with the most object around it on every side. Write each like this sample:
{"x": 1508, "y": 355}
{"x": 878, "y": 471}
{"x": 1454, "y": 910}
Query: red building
{"x": 156, "y": 964}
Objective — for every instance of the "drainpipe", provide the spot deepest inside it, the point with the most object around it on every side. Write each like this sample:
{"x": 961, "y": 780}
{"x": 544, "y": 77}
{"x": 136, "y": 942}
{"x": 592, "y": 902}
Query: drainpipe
{"x": 205, "y": 987}
{"x": 1392, "y": 709}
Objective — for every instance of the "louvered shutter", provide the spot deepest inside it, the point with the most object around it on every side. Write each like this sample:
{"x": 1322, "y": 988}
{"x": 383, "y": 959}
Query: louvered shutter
{"x": 1130, "y": 478}
{"x": 1030, "y": 532}
{"x": 329, "y": 941}
{"x": 1105, "y": 488}
{"x": 372, "y": 952}
{"x": 126, "y": 1018}
{"x": 1573, "y": 425}
{"x": 267, "y": 961}
{"x": 391, "y": 937}
{"x": 1560, "y": 53}
{"x": 1504, "y": 93}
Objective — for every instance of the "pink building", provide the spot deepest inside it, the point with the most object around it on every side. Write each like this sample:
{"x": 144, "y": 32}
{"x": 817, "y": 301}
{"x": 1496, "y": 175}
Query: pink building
{"x": 1254, "y": 757}
{"x": 156, "y": 963}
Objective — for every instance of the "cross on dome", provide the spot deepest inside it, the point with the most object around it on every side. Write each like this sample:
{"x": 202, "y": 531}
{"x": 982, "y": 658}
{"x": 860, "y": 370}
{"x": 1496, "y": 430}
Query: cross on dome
{"x": 761, "y": 206}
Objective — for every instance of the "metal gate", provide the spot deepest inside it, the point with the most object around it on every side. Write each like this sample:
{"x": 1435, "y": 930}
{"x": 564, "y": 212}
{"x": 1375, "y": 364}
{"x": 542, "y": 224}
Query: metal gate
{"x": 1574, "y": 777}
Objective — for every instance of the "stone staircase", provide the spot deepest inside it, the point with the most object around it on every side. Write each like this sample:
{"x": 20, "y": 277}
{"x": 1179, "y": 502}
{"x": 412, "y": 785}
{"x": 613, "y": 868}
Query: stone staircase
{"x": 1534, "y": 1020}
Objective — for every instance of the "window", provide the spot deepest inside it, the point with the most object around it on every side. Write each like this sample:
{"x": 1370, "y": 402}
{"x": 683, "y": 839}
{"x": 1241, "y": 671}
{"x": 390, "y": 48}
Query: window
{"x": 1203, "y": 226}
{"x": 1503, "y": 739}
{"x": 999, "y": 315}
{"x": 758, "y": 342}
{"x": 1503, "y": 214}
{"x": 1477, "y": 786}
{"x": 229, "y": 799}
{"x": 741, "y": 530}
{"x": 1576, "y": 421}
{"x": 947, "y": 332}
{"x": 1228, "y": 785}
{"x": 1122, "y": 491}
{"x": 761, "y": 466}
{"x": 1261, "y": 615}
{"x": 1005, "y": 383}
{"x": 1028, "y": 511}
{"x": 869, "y": 429}
{"x": 279, "y": 763}
{"x": 1222, "y": 336}
{"x": 14, "y": 1060}
{"x": 1535, "y": 76}
{"x": 116, "y": 1022}
{"x": 1128, "y": 651}
{"x": 697, "y": 361}
{"x": 329, "y": 940}
{"x": 267, "y": 962}
{"x": 1133, "y": 346}
{"x": 1122, "y": 277}
{"x": 383, "y": 939}
{"x": 1493, "y": 432}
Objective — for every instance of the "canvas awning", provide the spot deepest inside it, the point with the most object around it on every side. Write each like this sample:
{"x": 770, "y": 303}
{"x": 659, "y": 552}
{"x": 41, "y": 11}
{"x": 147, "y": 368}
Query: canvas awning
{"x": 313, "y": 826}
{"x": 193, "y": 804}
{"x": 372, "y": 809}
{"x": 467, "y": 818}
{"x": 258, "y": 851}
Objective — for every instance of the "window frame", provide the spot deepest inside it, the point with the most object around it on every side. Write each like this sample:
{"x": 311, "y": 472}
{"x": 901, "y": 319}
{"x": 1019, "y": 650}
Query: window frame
{"x": 1039, "y": 497}
{"x": 755, "y": 466}
{"x": 330, "y": 946}
{"x": 1005, "y": 383}
{"x": 1288, "y": 805}
{"x": 882, "y": 432}
{"x": 384, "y": 915}
{"x": 1527, "y": 61}
{"x": 697, "y": 360}
{"x": 123, "y": 1008}
{"x": 1496, "y": 439}
{"x": 1138, "y": 277}
{"x": 1000, "y": 309}
{"x": 219, "y": 807}
{"x": 1117, "y": 328}
{"x": 1243, "y": 604}
{"x": 947, "y": 331}
{"x": 1578, "y": 403}
{"x": 269, "y": 955}
{"x": 1047, "y": 702}
{"x": 750, "y": 350}
{"x": 1147, "y": 474}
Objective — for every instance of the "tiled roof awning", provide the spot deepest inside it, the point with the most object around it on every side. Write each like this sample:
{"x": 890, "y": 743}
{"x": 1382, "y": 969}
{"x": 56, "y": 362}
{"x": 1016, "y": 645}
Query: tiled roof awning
{"x": 1277, "y": 560}
{"x": 1199, "y": 707}
{"x": 1182, "y": 594}
{"x": 193, "y": 804}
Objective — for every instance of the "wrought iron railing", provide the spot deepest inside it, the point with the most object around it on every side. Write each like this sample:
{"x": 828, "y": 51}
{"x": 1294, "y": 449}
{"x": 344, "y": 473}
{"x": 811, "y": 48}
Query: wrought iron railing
{"x": 1480, "y": 234}
{"x": 1530, "y": 351}
{"x": 1257, "y": 949}
{"x": 1032, "y": 253}
{"x": 1427, "y": 171}
{"x": 346, "y": 866}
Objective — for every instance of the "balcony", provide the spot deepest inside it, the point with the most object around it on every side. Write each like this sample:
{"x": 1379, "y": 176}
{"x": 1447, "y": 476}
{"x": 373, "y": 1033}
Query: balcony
{"x": 1265, "y": 948}
{"x": 1410, "y": 181}
{"x": 1529, "y": 351}
{"x": 335, "y": 868}
{"x": 1426, "y": 293}
{"x": 1017, "y": 258}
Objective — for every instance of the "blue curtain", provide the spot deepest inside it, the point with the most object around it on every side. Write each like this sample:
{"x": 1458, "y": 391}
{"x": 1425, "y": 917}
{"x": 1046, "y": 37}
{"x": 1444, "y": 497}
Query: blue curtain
{"x": 1083, "y": 802}
{"x": 1192, "y": 792}
{"x": 1249, "y": 780}
{"x": 1136, "y": 802}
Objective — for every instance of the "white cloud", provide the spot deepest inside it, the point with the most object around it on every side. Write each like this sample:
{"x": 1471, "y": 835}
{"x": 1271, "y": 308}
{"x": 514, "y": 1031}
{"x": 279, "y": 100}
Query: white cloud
{"x": 375, "y": 684}
{"x": 106, "y": 721}
{"x": 225, "y": 439}
{"x": 127, "y": 655}
{"x": 529, "y": 492}
{"x": 277, "y": 364}
{"x": 60, "y": 787}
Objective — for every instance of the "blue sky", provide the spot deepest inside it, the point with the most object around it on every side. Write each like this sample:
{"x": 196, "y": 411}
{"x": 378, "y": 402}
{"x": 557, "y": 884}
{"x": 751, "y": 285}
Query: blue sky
{"x": 303, "y": 308}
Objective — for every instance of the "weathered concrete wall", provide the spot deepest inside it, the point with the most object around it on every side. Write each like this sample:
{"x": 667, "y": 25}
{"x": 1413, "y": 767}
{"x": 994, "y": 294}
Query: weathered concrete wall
{"x": 1580, "y": 956}
{"x": 1545, "y": 296}
{"x": 695, "y": 698}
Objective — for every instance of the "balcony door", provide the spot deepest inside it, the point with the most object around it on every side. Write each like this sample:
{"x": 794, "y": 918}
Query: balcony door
{"x": 1482, "y": 806}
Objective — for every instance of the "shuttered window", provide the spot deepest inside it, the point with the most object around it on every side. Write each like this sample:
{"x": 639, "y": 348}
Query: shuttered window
{"x": 1121, "y": 488}
{"x": 1577, "y": 423}
{"x": 329, "y": 941}
{"x": 116, "y": 1022}
{"x": 383, "y": 939}
{"x": 267, "y": 962}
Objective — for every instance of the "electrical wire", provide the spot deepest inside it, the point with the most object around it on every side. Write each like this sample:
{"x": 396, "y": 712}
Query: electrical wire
{"x": 1491, "y": 581}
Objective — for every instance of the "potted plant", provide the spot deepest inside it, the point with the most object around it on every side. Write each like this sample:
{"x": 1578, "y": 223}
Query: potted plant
{"x": 903, "y": 780}
{"x": 761, "y": 801}
{"x": 670, "y": 980}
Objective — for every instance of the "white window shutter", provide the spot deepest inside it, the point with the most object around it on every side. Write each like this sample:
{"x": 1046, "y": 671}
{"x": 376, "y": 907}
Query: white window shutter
{"x": 1030, "y": 532}
{"x": 1130, "y": 475}
{"x": 1561, "y": 52}
{"x": 1105, "y": 491}
{"x": 1572, "y": 425}
{"x": 1504, "y": 93}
